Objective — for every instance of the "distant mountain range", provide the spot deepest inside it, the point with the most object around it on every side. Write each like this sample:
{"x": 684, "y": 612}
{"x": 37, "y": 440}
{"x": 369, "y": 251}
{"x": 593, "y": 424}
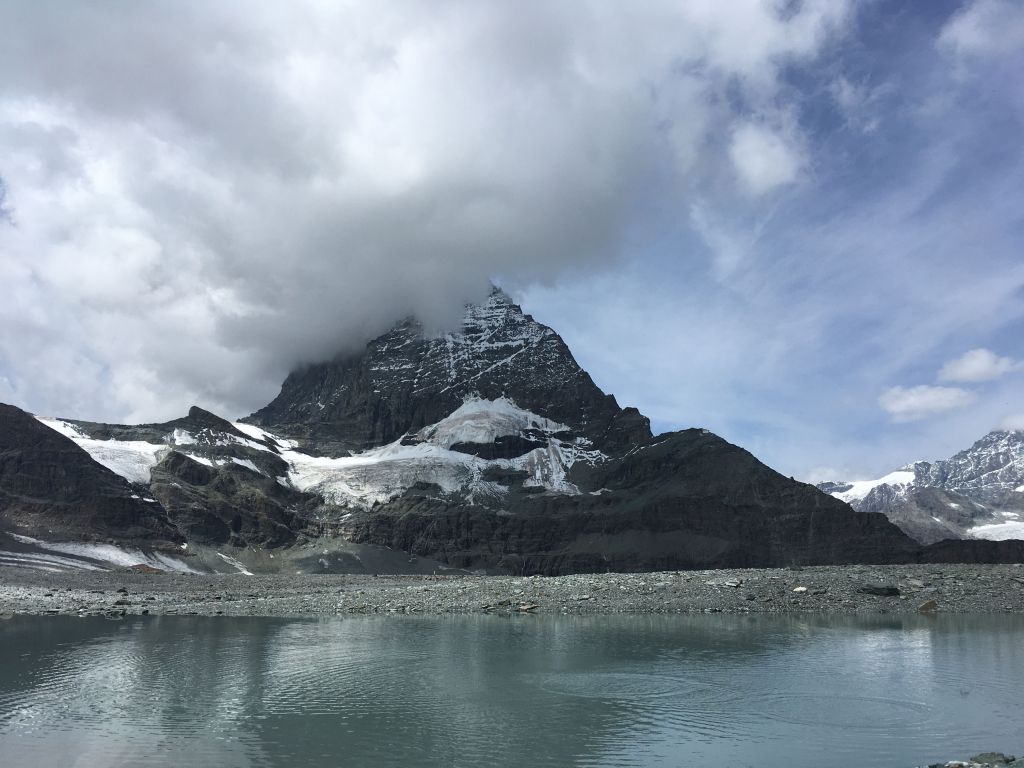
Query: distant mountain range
{"x": 978, "y": 493}
{"x": 485, "y": 448}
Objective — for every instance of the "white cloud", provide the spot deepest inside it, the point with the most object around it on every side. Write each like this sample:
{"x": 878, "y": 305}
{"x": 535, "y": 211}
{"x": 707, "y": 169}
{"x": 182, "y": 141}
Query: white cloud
{"x": 764, "y": 158}
{"x": 913, "y": 403}
{"x": 208, "y": 194}
{"x": 1014, "y": 422}
{"x": 977, "y": 365}
{"x": 985, "y": 28}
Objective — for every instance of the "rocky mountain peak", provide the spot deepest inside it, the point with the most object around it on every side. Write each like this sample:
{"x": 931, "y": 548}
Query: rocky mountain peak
{"x": 406, "y": 380}
{"x": 989, "y": 469}
{"x": 979, "y": 492}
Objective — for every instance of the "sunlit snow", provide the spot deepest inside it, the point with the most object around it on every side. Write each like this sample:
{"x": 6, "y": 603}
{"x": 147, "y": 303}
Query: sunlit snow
{"x": 861, "y": 488}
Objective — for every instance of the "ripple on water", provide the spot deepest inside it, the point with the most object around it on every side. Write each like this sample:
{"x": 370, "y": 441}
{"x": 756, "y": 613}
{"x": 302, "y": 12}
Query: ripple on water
{"x": 625, "y": 686}
{"x": 841, "y": 711}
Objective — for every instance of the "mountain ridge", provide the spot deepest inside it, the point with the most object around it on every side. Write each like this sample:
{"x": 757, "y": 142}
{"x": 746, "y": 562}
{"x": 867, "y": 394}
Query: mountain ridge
{"x": 977, "y": 492}
{"x": 484, "y": 448}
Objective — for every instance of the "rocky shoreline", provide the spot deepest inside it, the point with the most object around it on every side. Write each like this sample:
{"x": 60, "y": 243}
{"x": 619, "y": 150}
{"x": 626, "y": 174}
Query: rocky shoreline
{"x": 984, "y": 760}
{"x": 853, "y": 589}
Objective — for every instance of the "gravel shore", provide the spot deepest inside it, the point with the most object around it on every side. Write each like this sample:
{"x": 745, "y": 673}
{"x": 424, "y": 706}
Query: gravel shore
{"x": 824, "y": 589}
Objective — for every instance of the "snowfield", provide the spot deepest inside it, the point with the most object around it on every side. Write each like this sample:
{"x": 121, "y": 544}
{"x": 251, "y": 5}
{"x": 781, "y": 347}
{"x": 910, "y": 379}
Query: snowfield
{"x": 131, "y": 459}
{"x": 88, "y": 557}
{"x": 381, "y": 474}
{"x": 862, "y": 488}
{"x": 1011, "y": 528}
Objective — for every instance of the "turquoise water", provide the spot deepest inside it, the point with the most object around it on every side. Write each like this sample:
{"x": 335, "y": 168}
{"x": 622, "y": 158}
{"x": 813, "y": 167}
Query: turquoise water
{"x": 516, "y": 691}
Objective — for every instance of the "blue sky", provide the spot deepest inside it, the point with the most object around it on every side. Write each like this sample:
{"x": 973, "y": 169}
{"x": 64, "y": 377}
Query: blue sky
{"x": 797, "y": 224}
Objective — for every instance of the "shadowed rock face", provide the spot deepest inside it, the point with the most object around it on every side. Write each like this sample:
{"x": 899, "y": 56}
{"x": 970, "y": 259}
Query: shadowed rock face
{"x": 683, "y": 500}
{"x": 217, "y": 484}
{"x": 50, "y": 488}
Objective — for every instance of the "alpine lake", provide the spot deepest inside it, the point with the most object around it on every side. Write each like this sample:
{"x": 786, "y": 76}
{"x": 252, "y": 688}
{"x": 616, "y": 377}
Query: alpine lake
{"x": 799, "y": 691}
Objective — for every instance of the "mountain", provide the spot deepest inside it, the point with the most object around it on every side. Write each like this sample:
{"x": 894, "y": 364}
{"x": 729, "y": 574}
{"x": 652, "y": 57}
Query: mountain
{"x": 485, "y": 448}
{"x": 978, "y": 493}
{"x": 52, "y": 488}
{"x": 404, "y": 382}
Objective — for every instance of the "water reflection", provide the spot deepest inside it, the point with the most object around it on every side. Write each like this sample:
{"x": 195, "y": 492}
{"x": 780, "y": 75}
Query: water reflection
{"x": 586, "y": 691}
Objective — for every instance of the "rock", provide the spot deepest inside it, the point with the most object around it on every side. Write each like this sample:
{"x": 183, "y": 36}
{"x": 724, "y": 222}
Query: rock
{"x": 800, "y": 590}
{"x": 929, "y": 606}
{"x": 993, "y": 758}
{"x": 880, "y": 590}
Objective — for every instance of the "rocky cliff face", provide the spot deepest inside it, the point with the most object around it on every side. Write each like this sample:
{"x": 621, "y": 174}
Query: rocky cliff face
{"x": 488, "y": 447}
{"x": 217, "y": 484}
{"x": 978, "y": 493}
{"x": 682, "y": 500}
{"x": 52, "y": 488}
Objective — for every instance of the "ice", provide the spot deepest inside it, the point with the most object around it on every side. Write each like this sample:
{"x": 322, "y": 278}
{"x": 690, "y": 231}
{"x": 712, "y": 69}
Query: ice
{"x": 861, "y": 488}
{"x": 247, "y": 464}
{"x": 483, "y": 421}
{"x": 108, "y": 553}
{"x": 1011, "y": 529}
{"x": 234, "y": 564}
{"x": 259, "y": 434}
{"x": 182, "y": 437}
{"x": 131, "y": 459}
{"x": 381, "y": 474}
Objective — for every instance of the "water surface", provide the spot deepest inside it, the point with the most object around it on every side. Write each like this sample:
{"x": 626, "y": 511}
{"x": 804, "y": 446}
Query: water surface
{"x": 509, "y": 691}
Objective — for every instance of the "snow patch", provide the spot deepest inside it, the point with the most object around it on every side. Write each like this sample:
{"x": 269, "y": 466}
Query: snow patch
{"x": 247, "y": 463}
{"x": 235, "y": 564}
{"x": 483, "y": 421}
{"x": 861, "y": 488}
{"x": 108, "y": 553}
{"x": 131, "y": 459}
{"x": 261, "y": 434}
{"x": 1011, "y": 529}
{"x": 182, "y": 437}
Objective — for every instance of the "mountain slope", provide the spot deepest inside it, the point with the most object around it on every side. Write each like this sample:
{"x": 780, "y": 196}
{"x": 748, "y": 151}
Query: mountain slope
{"x": 978, "y": 493}
{"x": 52, "y": 488}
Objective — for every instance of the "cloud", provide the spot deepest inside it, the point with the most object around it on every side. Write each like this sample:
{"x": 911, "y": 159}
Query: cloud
{"x": 985, "y": 28}
{"x": 1013, "y": 423}
{"x": 977, "y": 365}
{"x": 210, "y": 194}
{"x": 913, "y": 403}
{"x": 763, "y": 158}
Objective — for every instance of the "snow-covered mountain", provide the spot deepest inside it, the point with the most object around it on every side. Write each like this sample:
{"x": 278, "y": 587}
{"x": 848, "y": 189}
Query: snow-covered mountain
{"x": 978, "y": 493}
{"x": 488, "y": 447}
